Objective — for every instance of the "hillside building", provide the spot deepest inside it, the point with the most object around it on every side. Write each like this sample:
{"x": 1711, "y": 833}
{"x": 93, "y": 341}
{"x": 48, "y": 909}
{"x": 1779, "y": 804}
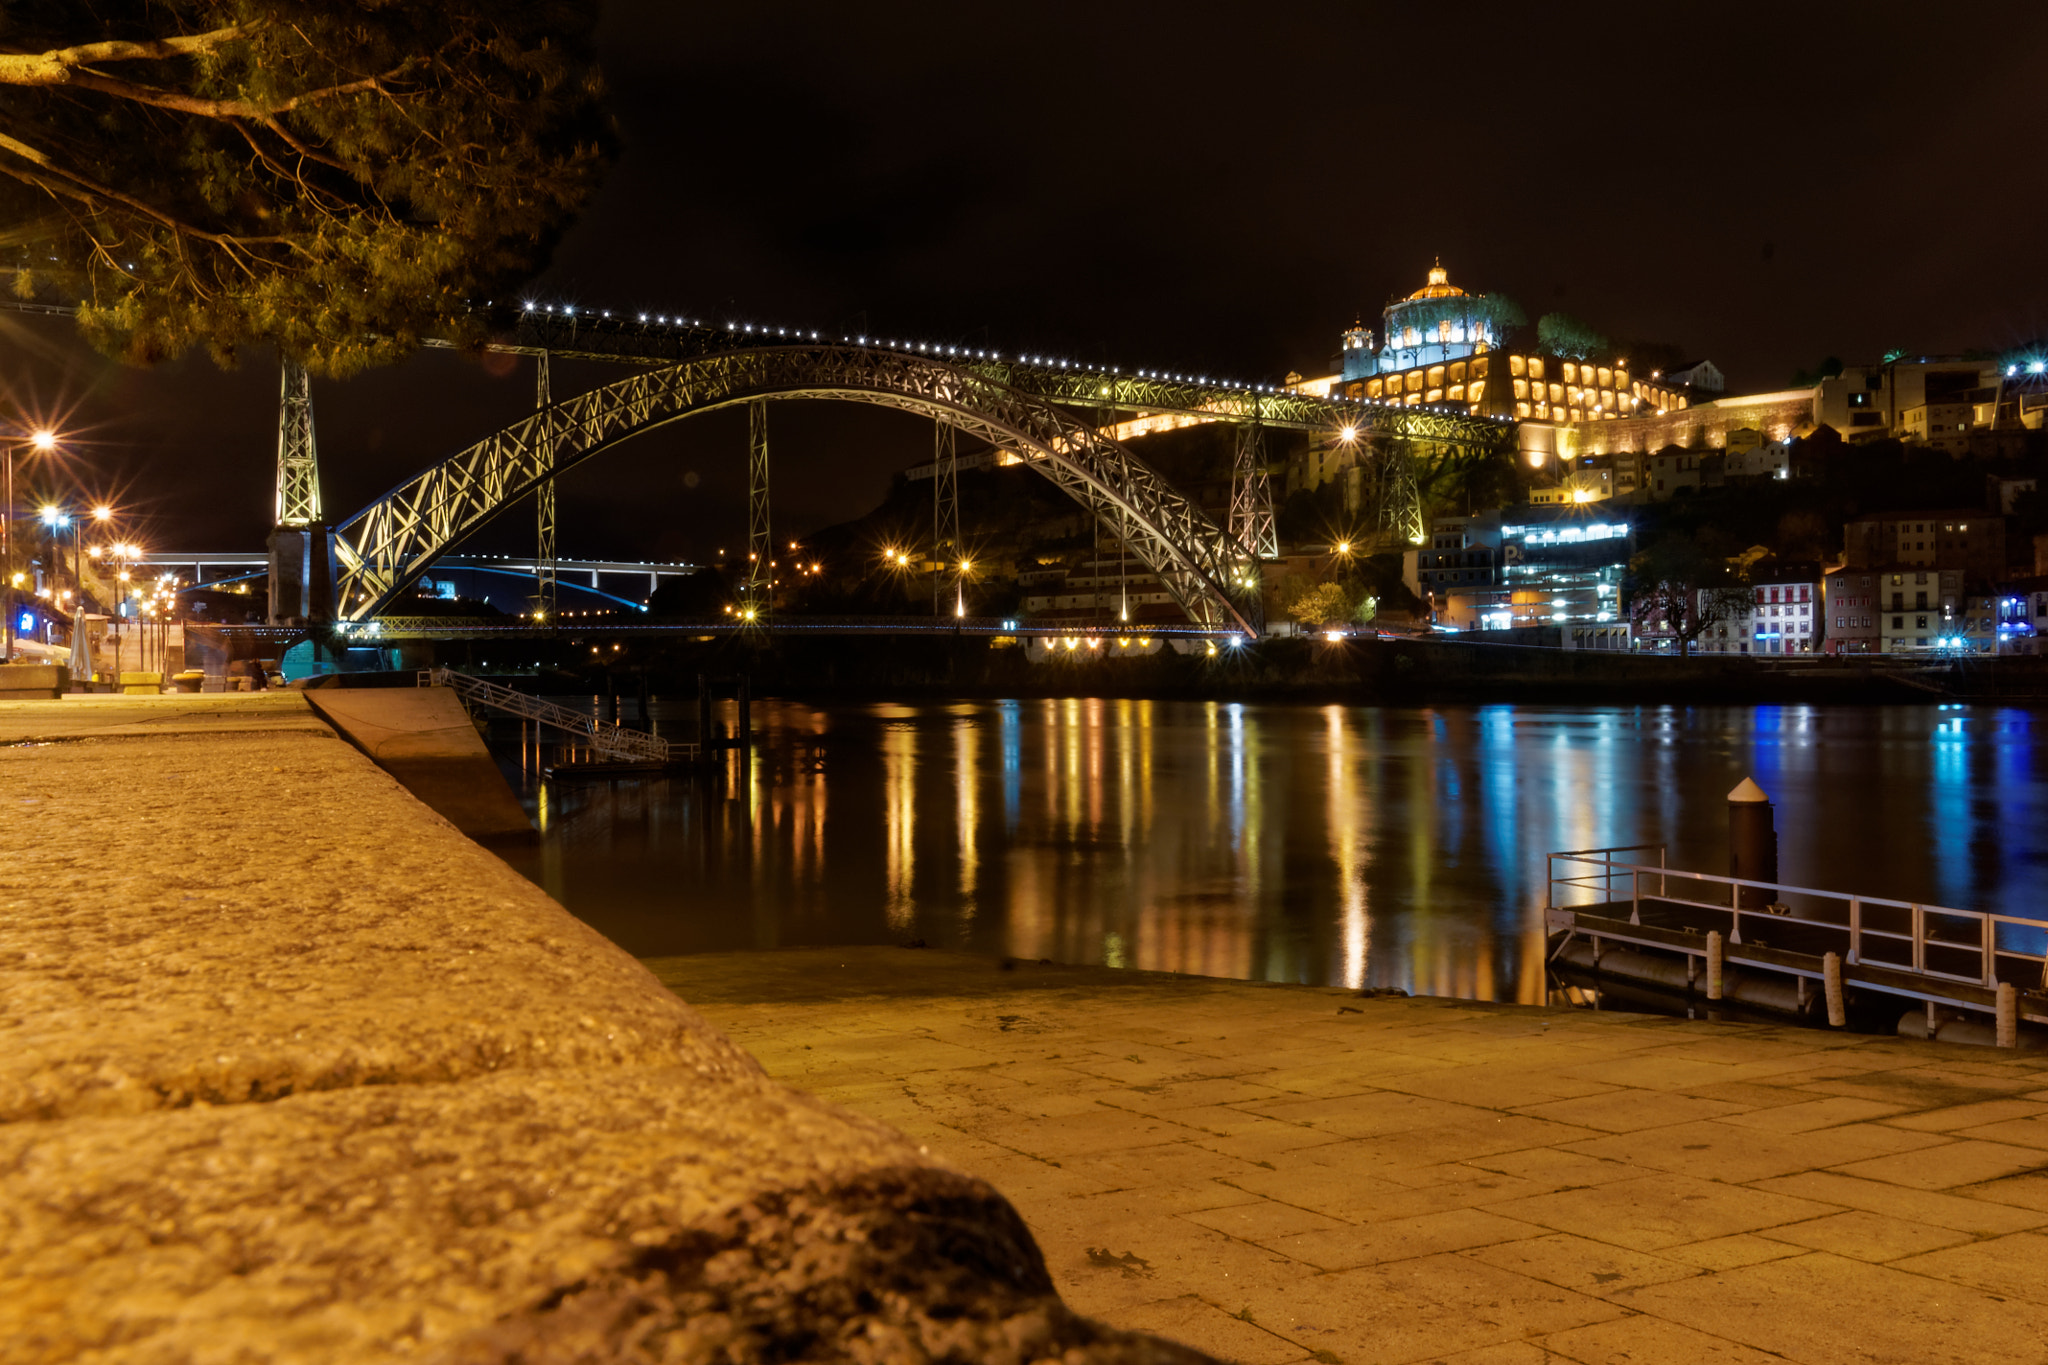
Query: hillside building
{"x": 1441, "y": 344}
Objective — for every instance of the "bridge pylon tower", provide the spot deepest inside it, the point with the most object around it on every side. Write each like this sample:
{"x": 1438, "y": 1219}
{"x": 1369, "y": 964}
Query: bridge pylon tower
{"x": 544, "y": 558}
{"x": 1251, "y": 492}
{"x": 1397, "y": 499}
{"x": 759, "y": 594}
{"x": 301, "y": 550}
{"x": 946, "y": 542}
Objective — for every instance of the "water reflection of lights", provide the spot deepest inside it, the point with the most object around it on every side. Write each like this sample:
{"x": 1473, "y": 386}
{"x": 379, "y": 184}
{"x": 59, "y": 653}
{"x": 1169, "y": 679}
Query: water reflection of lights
{"x": 899, "y": 795}
{"x": 1347, "y": 823}
{"x": 967, "y": 809}
{"x": 1344, "y": 845}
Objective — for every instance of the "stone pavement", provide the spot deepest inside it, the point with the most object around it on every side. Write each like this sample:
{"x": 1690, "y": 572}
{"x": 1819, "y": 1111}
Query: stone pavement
{"x": 290, "y": 1071}
{"x": 1273, "y": 1174}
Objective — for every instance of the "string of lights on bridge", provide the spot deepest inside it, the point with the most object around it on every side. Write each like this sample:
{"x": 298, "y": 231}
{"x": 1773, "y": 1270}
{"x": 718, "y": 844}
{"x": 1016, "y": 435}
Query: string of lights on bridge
{"x": 934, "y": 348}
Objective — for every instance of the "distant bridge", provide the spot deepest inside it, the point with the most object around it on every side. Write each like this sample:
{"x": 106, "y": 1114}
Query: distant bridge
{"x": 256, "y": 563}
{"x": 398, "y": 629}
{"x": 1054, "y": 414}
{"x": 1050, "y": 414}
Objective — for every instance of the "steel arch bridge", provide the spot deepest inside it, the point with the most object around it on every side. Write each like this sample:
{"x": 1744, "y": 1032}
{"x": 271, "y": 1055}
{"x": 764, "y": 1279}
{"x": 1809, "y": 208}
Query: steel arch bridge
{"x": 384, "y": 547}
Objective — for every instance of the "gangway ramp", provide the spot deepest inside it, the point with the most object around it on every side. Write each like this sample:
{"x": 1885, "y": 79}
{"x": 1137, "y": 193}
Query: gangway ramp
{"x": 608, "y": 738}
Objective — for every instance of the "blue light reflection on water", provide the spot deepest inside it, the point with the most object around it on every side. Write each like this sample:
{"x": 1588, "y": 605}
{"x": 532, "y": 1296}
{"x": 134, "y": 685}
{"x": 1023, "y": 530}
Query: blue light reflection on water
{"x": 1345, "y": 845}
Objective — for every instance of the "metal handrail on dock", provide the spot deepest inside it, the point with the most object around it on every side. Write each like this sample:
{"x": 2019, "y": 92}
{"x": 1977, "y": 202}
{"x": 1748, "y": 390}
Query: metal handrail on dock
{"x": 611, "y": 739}
{"x": 1931, "y": 953}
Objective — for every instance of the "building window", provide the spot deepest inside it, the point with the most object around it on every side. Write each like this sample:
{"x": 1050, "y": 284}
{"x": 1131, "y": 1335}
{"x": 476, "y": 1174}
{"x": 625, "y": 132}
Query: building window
{"x": 1898, "y": 623}
{"x": 1919, "y": 623}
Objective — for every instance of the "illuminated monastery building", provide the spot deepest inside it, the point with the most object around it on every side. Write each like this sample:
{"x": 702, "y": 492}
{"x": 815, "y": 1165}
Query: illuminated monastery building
{"x": 1439, "y": 345}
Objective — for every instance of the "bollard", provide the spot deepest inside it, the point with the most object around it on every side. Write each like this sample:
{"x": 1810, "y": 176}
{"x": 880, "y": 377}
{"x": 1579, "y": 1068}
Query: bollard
{"x": 2008, "y": 1015}
{"x": 1831, "y": 976}
{"x": 1752, "y": 843}
{"x": 1714, "y": 964}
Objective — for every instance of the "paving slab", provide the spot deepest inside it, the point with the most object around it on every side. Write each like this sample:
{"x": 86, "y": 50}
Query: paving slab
{"x": 1368, "y": 1180}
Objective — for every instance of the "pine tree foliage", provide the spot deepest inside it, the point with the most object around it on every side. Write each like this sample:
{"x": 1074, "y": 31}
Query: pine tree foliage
{"x": 337, "y": 178}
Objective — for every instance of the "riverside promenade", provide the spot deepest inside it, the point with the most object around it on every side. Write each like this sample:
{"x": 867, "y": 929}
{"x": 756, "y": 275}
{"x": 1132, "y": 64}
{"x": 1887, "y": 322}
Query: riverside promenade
{"x": 1280, "y": 1173}
{"x": 291, "y": 1071}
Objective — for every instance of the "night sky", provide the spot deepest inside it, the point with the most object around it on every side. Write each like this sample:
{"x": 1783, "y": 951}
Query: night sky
{"x": 1201, "y": 188}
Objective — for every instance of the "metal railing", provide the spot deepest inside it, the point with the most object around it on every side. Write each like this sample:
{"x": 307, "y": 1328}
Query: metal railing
{"x": 1933, "y": 941}
{"x": 608, "y": 738}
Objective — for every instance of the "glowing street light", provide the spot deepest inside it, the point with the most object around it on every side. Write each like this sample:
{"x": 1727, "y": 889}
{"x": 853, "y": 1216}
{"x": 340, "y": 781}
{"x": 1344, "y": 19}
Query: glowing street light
{"x": 42, "y": 440}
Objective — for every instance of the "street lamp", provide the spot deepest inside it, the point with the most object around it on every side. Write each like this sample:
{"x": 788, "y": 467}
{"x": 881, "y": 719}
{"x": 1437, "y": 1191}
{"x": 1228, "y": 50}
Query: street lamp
{"x": 42, "y": 440}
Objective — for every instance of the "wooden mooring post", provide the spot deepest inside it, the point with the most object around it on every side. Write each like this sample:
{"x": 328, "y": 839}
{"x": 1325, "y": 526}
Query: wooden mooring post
{"x": 1713, "y": 964}
{"x": 1831, "y": 979}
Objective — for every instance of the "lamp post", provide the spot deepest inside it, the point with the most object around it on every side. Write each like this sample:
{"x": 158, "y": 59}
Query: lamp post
{"x": 38, "y": 440}
{"x": 57, "y": 520}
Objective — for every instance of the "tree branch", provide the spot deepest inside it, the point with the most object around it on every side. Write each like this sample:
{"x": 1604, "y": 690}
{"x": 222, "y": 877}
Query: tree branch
{"x": 87, "y": 190}
{"x": 57, "y": 66}
{"x": 219, "y": 109}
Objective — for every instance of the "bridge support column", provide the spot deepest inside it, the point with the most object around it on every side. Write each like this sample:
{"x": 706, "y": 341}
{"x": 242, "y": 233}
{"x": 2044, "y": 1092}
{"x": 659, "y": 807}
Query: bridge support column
{"x": 301, "y": 548}
{"x": 1251, "y": 493}
{"x": 301, "y": 574}
{"x": 545, "y": 593}
{"x": 298, "y": 459}
{"x": 945, "y": 510}
{"x": 760, "y": 540}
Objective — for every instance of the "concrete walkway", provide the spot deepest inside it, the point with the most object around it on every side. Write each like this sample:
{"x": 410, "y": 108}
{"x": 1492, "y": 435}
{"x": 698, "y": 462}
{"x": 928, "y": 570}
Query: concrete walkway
{"x": 1273, "y": 1174}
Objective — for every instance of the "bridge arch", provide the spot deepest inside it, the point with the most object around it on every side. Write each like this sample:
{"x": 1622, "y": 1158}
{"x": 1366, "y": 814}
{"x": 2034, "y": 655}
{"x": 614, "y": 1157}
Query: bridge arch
{"x": 385, "y": 547}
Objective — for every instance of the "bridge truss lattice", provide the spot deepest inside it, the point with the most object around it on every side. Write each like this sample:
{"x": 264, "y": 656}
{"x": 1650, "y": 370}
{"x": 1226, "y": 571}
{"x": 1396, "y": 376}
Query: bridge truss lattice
{"x": 383, "y": 548}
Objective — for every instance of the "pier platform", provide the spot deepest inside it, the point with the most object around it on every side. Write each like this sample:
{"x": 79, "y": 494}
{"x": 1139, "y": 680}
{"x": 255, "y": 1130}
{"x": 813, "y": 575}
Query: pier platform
{"x": 1284, "y": 1173}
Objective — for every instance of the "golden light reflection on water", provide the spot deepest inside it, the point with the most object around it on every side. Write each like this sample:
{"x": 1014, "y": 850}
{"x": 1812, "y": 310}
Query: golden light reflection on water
{"x": 967, "y": 810}
{"x": 899, "y": 795}
{"x": 1349, "y": 823}
{"x": 1339, "y": 845}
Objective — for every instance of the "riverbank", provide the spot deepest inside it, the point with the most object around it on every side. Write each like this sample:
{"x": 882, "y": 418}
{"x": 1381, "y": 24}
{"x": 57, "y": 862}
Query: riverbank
{"x": 1281, "y": 1173}
{"x": 1357, "y": 671}
{"x": 295, "y": 1072}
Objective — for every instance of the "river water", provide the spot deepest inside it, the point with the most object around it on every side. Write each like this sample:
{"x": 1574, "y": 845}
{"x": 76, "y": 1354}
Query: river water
{"x": 1337, "y": 845}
